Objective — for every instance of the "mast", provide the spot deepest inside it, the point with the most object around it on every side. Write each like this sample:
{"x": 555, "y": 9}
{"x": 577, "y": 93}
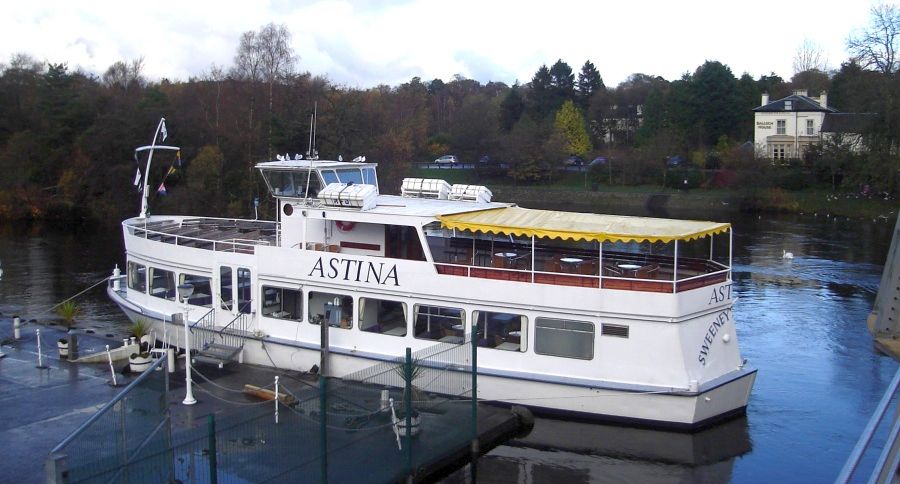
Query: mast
{"x": 146, "y": 195}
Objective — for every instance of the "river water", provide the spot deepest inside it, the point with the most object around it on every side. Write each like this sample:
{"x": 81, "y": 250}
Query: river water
{"x": 801, "y": 322}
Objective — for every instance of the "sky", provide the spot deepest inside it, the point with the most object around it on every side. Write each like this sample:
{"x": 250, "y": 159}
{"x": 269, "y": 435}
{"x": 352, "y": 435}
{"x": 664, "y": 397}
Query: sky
{"x": 365, "y": 43}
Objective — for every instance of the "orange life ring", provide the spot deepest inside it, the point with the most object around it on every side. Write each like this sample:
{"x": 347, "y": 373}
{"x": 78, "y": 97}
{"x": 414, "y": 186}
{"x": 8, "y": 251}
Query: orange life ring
{"x": 344, "y": 226}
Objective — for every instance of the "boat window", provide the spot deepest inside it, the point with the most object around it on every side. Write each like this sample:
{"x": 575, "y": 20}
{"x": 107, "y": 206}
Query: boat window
{"x": 137, "y": 277}
{"x": 225, "y": 287}
{"x": 282, "y": 303}
{"x": 446, "y": 325}
{"x": 382, "y": 316}
{"x": 563, "y": 337}
{"x": 162, "y": 284}
{"x": 350, "y": 175}
{"x": 292, "y": 183}
{"x": 402, "y": 242}
{"x": 502, "y": 331}
{"x": 244, "y": 290}
{"x": 337, "y": 309}
{"x": 202, "y": 295}
{"x": 329, "y": 176}
{"x": 369, "y": 177}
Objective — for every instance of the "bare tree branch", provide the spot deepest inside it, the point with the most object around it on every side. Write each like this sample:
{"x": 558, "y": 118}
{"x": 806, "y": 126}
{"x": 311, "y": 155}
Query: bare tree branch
{"x": 809, "y": 57}
{"x": 876, "y": 46}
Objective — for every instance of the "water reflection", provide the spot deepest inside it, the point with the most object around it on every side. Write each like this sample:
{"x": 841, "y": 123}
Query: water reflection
{"x": 802, "y": 323}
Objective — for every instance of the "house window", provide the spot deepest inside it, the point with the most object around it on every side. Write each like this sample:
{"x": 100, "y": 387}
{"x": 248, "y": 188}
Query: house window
{"x": 565, "y": 338}
{"x": 781, "y": 127}
{"x": 137, "y": 277}
{"x": 502, "y": 331}
{"x": 162, "y": 284}
{"x": 382, "y": 316}
{"x": 336, "y": 309}
{"x": 778, "y": 152}
{"x": 282, "y": 303}
{"x": 446, "y": 325}
{"x": 202, "y": 295}
{"x": 788, "y": 105}
{"x": 809, "y": 127}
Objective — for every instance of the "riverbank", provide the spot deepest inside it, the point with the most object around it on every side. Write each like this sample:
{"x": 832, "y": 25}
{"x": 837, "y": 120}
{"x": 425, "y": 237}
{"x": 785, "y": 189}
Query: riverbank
{"x": 637, "y": 200}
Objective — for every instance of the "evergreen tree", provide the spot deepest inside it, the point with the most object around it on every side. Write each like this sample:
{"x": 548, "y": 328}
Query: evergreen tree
{"x": 563, "y": 82}
{"x": 511, "y": 109}
{"x": 540, "y": 96}
{"x": 589, "y": 83}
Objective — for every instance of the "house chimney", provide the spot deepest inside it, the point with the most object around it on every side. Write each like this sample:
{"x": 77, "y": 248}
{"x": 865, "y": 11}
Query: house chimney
{"x": 823, "y": 99}
{"x": 765, "y": 99}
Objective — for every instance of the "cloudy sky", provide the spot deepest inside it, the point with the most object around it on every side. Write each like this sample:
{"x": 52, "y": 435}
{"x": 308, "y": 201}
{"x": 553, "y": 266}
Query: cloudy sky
{"x": 368, "y": 42}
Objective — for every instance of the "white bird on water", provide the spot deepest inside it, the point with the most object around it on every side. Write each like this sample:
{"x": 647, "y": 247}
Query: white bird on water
{"x": 787, "y": 255}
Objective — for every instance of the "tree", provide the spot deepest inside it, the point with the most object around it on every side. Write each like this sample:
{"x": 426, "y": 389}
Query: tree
{"x": 570, "y": 126}
{"x": 809, "y": 56}
{"x": 562, "y": 81}
{"x": 124, "y": 75}
{"x": 589, "y": 83}
{"x": 540, "y": 93}
{"x": 876, "y": 46}
{"x": 511, "y": 108}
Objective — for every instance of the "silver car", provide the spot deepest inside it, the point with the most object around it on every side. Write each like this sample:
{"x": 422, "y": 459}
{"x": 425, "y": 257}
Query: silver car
{"x": 446, "y": 159}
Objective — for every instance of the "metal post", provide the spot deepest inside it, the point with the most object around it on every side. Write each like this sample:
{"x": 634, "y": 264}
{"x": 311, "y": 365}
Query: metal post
{"x": 675, "y": 269}
{"x": 276, "y": 398}
{"x": 189, "y": 390}
{"x": 211, "y": 425}
{"x": 40, "y": 353}
{"x": 323, "y": 340}
{"x": 323, "y": 427}
{"x": 112, "y": 371}
{"x": 475, "y": 447}
{"x": 17, "y": 327}
{"x": 408, "y": 410}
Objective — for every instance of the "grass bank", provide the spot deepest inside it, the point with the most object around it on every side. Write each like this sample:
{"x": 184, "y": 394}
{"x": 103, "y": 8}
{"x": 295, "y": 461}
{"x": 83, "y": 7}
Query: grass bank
{"x": 571, "y": 192}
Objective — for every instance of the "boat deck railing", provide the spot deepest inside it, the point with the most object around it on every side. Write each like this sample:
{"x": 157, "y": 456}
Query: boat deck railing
{"x": 224, "y": 235}
{"x": 609, "y": 270}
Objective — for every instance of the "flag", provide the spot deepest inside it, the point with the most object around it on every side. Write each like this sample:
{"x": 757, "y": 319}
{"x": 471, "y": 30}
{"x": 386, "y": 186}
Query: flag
{"x": 178, "y": 158}
{"x": 162, "y": 129}
{"x": 171, "y": 171}
{"x": 162, "y": 189}
{"x": 137, "y": 177}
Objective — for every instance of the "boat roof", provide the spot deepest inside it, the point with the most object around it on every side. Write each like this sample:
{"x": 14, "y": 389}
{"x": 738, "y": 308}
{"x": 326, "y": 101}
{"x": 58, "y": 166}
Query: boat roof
{"x": 424, "y": 207}
{"x": 525, "y": 222}
{"x": 306, "y": 164}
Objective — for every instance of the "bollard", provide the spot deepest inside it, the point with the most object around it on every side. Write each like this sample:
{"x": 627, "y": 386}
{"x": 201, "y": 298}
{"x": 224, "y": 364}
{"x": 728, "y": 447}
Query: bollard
{"x": 116, "y": 283}
{"x": 40, "y": 353}
{"x": 17, "y": 325}
{"x": 170, "y": 359}
{"x": 276, "y": 398}
{"x": 112, "y": 370}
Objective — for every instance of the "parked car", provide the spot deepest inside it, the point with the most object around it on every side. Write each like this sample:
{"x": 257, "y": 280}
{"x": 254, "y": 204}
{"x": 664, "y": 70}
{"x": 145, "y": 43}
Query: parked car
{"x": 674, "y": 161}
{"x": 484, "y": 159}
{"x": 598, "y": 161}
{"x": 447, "y": 159}
{"x": 574, "y": 160}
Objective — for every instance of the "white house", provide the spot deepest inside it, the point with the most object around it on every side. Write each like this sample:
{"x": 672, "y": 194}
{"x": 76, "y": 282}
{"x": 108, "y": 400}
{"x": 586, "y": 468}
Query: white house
{"x": 785, "y": 128}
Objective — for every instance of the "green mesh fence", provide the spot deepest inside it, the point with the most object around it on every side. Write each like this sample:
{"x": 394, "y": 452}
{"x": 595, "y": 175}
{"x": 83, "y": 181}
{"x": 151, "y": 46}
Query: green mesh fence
{"x": 351, "y": 429}
{"x": 126, "y": 440}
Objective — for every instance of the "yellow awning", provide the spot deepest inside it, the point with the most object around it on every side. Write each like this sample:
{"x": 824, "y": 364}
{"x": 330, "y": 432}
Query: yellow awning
{"x": 524, "y": 222}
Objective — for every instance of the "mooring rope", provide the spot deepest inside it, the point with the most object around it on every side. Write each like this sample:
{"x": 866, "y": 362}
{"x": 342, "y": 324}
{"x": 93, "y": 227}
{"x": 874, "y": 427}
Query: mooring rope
{"x": 194, "y": 370}
{"x": 101, "y": 281}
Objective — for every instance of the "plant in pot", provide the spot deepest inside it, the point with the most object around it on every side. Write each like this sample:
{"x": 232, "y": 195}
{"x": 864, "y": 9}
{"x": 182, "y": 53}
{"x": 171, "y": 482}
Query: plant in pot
{"x": 68, "y": 311}
{"x": 140, "y": 361}
{"x": 408, "y": 372}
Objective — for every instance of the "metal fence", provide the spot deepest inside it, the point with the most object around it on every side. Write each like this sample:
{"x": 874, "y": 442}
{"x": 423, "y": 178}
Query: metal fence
{"x": 381, "y": 424}
{"x": 126, "y": 440}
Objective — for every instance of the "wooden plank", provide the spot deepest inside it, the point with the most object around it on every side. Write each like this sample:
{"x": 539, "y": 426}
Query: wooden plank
{"x": 266, "y": 394}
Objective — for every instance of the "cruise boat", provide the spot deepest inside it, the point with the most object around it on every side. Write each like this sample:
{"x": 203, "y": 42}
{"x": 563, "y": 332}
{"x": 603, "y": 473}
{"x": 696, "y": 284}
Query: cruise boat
{"x": 615, "y": 318}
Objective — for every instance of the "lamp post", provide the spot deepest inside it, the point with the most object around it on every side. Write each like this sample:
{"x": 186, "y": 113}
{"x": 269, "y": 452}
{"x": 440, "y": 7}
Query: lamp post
{"x": 184, "y": 292}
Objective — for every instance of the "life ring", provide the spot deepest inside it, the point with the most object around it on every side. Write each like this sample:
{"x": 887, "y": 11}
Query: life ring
{"x": 344, "y": 226}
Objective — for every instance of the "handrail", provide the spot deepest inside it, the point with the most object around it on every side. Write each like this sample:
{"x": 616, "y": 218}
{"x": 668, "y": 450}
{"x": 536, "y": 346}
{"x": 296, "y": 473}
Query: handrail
{"x": 863, "y": 443}
{"x": 105, "y": 408}
{"x": 223, "y": 328}
{"x": 202, "y": 318}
